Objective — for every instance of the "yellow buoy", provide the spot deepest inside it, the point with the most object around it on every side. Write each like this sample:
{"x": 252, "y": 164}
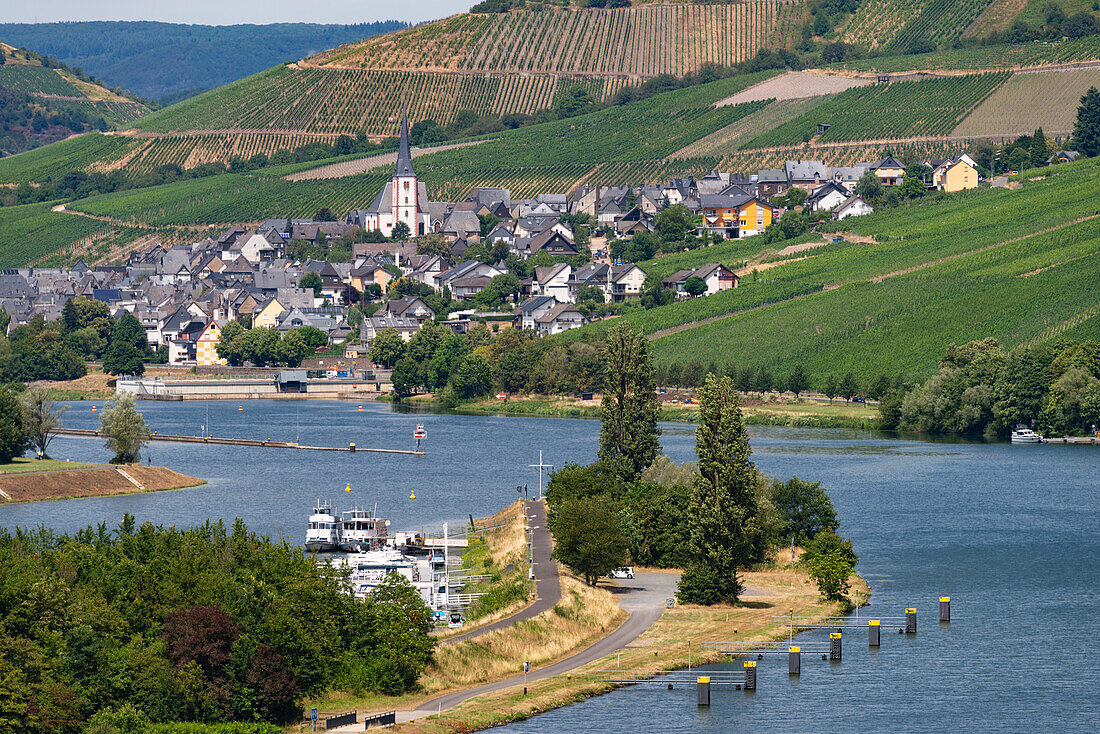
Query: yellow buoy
{"x": 348, "y": 488}
{"x": 412, "y": 495}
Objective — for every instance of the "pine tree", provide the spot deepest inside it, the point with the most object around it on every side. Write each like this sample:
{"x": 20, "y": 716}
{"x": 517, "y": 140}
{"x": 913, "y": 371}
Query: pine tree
{"x": 628, "y": 438}
{"x": 1086, "y": 131}
{"x": 1039, "y": 151}
{"x": 724, "y": 529}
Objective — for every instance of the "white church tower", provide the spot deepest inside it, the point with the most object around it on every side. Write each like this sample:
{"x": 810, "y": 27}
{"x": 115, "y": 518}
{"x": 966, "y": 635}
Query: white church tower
{"x": 406, "y": 205}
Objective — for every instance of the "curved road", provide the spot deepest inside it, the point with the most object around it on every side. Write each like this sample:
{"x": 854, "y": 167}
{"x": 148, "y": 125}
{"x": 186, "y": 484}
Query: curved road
{"x": 644, "y": 597}
{"x": 547, "y": 583}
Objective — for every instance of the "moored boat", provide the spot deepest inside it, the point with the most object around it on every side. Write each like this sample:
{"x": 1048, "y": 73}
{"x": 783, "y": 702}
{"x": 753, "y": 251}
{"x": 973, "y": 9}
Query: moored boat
{"x": 1023, "y": 434}
{"x": 362, "y": 530}
{"x": 323, "y": 533}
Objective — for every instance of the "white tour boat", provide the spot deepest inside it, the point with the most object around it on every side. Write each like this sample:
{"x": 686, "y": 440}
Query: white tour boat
{"x": 324, "y": 529}
{"x": 1023, "y": 434}
{"x": 362, "y": 530}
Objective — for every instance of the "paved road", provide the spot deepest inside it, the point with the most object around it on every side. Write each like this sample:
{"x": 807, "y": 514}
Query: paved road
{"x": 643, "y": 596}
{"x": 547, "y": 583}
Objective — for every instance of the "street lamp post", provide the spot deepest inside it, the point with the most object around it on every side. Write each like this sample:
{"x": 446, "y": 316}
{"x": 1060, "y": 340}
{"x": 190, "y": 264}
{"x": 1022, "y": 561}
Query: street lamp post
{"x": 529, "y": 529}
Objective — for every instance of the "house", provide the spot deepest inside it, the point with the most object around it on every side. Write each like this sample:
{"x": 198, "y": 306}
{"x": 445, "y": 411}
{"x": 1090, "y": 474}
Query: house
{"x": 954, "y": 174}
{"x": 806, "y": 175}
{"x": 627, "y": 281}
{"x": 676, "y": 281}
{"x": 424, "y": 269}
{"x": 267, "y": 313}
{"x": 410, "y": 307}
{"x": 375, "y": 324}
{"x": 1063, "y": 156}
{"x": 370, "y": 273}
{"x": 827, "y": 197}
{"x": 717, "y": 277}
{"x": 592, "y": 274}
{"x": 206, "y": 346}
{"x": 528, "y": 313}
{"x": 552, "y": 280}
{"x": 560, "y": 318}
{"x": 734, "y": 217}
{"x": 890, "y": 171}
{"x": 853, "y": 207}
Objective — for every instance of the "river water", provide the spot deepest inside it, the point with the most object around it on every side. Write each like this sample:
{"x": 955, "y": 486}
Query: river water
{"x": 1011, "y": 533}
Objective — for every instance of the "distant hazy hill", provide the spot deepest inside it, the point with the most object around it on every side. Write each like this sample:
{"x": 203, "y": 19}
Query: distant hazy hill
{"x": 170, "y": 60}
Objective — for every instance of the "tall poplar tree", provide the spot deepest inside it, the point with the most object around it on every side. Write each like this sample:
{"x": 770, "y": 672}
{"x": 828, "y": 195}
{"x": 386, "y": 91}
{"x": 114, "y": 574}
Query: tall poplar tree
{"x": 630, "y": 408}
{"x": 724, "y": 529}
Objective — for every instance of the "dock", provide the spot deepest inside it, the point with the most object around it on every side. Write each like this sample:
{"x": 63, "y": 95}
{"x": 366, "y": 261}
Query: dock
{"x": 1088, "y": 440}
{"x": 350, "y": 448}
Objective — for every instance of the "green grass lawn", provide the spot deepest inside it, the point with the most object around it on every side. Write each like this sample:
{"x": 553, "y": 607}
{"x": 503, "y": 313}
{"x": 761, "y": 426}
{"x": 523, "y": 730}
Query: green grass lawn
{"x": 23, "y": 466}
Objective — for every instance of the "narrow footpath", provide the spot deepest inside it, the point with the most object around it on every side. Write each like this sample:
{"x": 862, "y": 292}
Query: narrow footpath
{"x": 547, "y": 583}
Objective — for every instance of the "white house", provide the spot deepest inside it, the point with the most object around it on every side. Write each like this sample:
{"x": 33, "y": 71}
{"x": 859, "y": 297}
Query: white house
{"x": 853, "y": 207}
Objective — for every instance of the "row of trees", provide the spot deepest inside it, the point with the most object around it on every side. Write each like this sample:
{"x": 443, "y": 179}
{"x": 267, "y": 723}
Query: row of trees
{"x": 763, "y": 380}
{"x": 982, "y": 388}
{"x": 713, "y": 519}
{"x": 263, "y": 346}
{"x": 152, "y": 624}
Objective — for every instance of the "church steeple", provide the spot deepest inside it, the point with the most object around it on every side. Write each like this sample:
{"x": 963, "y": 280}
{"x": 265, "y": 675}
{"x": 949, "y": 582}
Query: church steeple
{"x": 404, "y": 155}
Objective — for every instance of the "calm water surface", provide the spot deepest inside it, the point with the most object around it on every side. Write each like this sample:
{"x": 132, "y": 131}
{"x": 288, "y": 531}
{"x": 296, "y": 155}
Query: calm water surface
{"x": 1011, "y": 533}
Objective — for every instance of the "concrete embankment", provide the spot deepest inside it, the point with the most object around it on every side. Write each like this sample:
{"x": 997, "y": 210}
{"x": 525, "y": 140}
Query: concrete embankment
{"x": 99, "y": 481}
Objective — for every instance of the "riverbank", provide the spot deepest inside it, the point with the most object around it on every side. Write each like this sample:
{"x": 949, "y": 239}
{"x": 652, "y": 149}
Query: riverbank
{"x": 28, "y": 480}
{"x": 772, "y": 411}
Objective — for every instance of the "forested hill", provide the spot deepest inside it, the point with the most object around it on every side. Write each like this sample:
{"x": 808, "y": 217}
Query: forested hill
{"x": 166, "y": 61}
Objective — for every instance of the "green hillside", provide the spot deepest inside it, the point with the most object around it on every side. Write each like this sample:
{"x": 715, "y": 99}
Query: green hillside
{"x": 1019, "y": 265}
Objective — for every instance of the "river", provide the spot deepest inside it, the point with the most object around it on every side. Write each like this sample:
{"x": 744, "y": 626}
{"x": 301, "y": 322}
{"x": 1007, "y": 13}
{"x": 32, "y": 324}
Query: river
{"x": 1011, "y": 533}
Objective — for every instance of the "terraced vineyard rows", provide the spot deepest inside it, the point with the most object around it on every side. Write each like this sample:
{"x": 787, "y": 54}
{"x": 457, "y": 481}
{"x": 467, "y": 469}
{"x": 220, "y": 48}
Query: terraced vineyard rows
{"x": 36, "y": 80}
{"x": 32, "y": 231}
{"x": 732, "y": 137}
{"x": 1014, "y": 109}
{"x": 897, "y": 24}
{"x": 639, "y": 41}
{"x": 75, "y": 154}
{"x": 1008, "y": 56}
{"x": 889, "y": 111}
{"x": 352, "y": 101}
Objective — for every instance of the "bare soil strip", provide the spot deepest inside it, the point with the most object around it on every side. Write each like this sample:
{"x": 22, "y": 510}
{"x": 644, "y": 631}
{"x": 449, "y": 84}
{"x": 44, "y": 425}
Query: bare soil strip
{"x": 363, "y": 165}
{"x": 795, "y": 85}
{"x": 100, "y": 481}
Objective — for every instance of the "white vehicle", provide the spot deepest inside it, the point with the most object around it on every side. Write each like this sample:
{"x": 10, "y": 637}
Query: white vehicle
{"x": 323, "y": 533}
{"x": 1023, "y": 434}
{"x": 622, "y": 573}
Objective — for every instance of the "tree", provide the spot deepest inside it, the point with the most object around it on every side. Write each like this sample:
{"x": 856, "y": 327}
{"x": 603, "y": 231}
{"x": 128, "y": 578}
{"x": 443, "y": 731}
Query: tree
{"x": 723, "y": 506}
{"x": 830, "y": 387}
{"x": 912, "y": 186}
{"x": 798, "y": 381}
{"x": 848, "y": 387}
{"x": 398, "y": 631}
{"x": 293, "y": 348}
{"x": 869, "y": 188}
{"x": 81, "y": 313}
{"x": 124, "y": 428}
{"x": 588, "y": 538}
{"x": 674, "y": 223}
{"x": 405, "y": 377}
{"x": 472, "y": 376}
{"x": 126, "y": 351}
{"x": 572, "y": 101}
{"x": 630, "y": 408}
{"x": 805, "y": 508}
{"x": 13, "y": 435}
{"x": 41, "y": 418}
{"x": 313, "y": 337}
{"x": 386, "y": 348}
{"x": 400, "y": 232}
{"x": 1086, "y": 130}
{"x": 831, "y": 571}
{"x": 763, "y": 381}
{"x": 229, "y": 343}
{"x": 1039, "y": 150}
{"x": 692, "y": 374}
{"x": 312, "y": 279}
{"x": 695, "y": 286}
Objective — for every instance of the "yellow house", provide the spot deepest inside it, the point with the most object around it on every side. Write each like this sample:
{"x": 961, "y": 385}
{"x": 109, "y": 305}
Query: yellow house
{"x": 206, "y": 346}
{"x": 268, "y": 315}
{"x": 735, "y": 217}
{"x": 364, "y": 276}
{"x": 955, "y": 175}
{"x": 889, "y": 170}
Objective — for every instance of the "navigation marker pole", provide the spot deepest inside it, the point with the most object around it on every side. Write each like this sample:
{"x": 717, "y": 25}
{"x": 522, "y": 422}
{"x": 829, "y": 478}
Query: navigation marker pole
{"x": 540, "y": 466}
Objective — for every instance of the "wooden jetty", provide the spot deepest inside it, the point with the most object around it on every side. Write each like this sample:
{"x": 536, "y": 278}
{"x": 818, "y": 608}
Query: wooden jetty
{"x": 350, "y": 448}
{"x": 1089, "y": 440}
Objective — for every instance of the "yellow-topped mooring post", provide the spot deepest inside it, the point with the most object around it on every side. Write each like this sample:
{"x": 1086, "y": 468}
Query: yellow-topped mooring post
{"x": 835, "y": 651}
{"x": 351, "y": 447}
{"x": 910, "y": 621}
{"x": 945, "y": 609}
{"x": 702, "y": 689}
{"x": 874, "y": 630}
{"x": 794, "y": 661}
{"x": 750, "y": 675}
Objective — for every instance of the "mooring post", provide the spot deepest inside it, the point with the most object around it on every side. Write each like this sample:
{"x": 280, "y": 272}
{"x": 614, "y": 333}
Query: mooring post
{"x": 910, "y": 621}
{"x": 794, "y": 661}
{"x": 351, "y": 447}
{"x": 834, "y": 646}
{"x": 702, "y": 688}
{"x": 874, "y": 629}
{"x": 945, "y": 609}
{"x": 750, "y": 675}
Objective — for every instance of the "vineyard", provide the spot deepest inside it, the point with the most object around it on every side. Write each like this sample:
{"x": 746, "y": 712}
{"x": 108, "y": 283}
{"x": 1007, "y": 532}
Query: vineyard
{"x": 352, "y": 101}
{"x": 1009, "y": 56}
{"x": 1013, "y": 110}
{"x": 638, "y": 41}
{"x": 37, "y": 80}
{"x": 52, "y": 162}
{"x": 900, "y": 24}
{"x": 889, "y": 111}
{"x": 938, "y": 230}
{"x": 31, "y": 232}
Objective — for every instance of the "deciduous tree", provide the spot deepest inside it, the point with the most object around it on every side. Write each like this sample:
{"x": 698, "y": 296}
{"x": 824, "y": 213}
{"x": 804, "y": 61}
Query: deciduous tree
{"x": 630, "y": 408}
{"x": 124, "y": 428}
{"x": 588, "y": 538}
{"x": 13, "y": 435}
{"x": 41, "y": 418}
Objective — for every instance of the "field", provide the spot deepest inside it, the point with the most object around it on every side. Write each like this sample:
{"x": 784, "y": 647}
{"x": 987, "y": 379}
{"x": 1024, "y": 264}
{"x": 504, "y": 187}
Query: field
{"x": 1021, "y": 265}
{"x": 1014, "y": 109}
{"x": 631, "y": 42}
{"x": 796, "y": 85}
{"x": 899, "y": 24}
{"x": 889, "y": 111}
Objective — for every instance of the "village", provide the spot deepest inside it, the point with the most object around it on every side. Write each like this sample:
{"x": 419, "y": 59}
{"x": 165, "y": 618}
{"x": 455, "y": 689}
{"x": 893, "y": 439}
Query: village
{"x": 556, "y": 259}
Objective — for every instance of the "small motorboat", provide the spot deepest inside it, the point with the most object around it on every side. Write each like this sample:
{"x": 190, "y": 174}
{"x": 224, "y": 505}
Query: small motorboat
{"x": 1023, "y": 434}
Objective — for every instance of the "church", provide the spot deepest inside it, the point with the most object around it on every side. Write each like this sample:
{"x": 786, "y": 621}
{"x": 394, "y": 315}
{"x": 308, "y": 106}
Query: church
{"x": 404, "y": 199}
